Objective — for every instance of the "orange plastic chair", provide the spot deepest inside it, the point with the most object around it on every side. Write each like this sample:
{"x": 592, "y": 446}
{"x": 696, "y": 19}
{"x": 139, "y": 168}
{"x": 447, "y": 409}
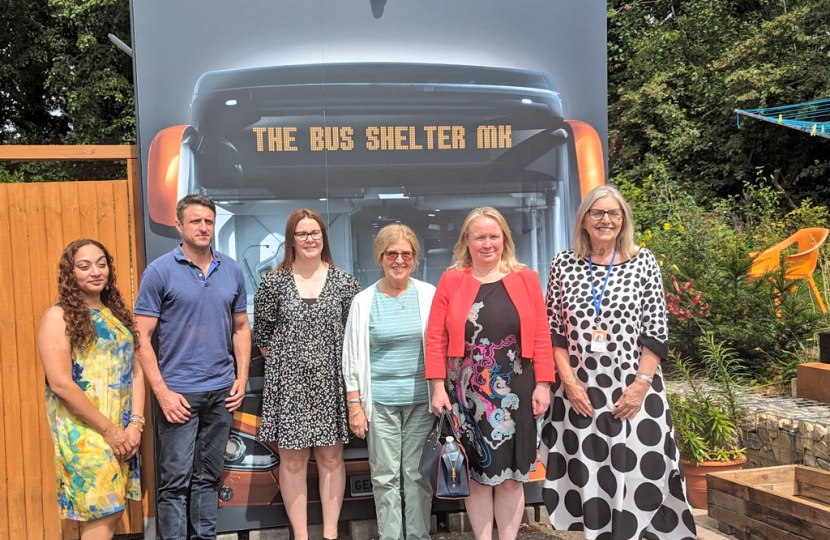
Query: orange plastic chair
{"x": 800, "y": 265}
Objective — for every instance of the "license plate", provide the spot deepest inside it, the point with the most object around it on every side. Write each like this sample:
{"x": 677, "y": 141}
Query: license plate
{"x": 360, "y": 485}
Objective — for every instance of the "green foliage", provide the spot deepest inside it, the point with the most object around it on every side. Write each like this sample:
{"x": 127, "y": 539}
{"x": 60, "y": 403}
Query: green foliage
{"x": 707, "y": 419}
{"x": 678, "y": 69}
{"x": 63, "y": 82}
{"x": 807, "y": 215}
{"x": 786, "y": 367}
{"x": 708, "y": 251}
{"x": 93, "y": 77}
{"x": 27, "y": 108}
{"x": 723, "y": 367}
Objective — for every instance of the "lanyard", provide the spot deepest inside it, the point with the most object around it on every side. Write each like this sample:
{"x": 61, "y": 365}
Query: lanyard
{"x": 598, "y": 300}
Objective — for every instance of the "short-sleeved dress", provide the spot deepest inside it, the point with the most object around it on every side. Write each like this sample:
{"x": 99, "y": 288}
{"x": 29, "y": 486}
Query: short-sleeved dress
{"x": 92, "y": 483}
{"x": 491, "y": 390}
{"x": 304, "y": 399}
{"x": 612, "y": 478}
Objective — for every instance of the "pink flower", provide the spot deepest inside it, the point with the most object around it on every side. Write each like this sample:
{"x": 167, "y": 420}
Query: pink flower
{"x": 686, "y": 295}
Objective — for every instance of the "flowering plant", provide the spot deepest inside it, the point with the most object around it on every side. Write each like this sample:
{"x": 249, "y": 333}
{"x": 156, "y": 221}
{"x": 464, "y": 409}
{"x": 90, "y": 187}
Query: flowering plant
{"x": 686, "y": 302}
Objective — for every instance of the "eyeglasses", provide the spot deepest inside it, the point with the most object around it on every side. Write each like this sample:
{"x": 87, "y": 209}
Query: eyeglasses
{"x": 392, "y": 256}
{"x": 303, "y": 236}
{"x": 597, "y": 214}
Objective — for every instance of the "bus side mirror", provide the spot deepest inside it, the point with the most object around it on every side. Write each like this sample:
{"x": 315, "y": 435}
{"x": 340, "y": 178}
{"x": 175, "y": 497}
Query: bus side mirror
{"x": 163, "y": 163}
{"x": 589, "y": 158}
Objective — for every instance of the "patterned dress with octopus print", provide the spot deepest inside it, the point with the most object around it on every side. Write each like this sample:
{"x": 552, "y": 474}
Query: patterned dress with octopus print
{"x": 491, "y": 390}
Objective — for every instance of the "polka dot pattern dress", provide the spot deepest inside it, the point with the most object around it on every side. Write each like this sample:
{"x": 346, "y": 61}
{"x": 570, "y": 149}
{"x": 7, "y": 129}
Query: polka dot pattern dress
{"x": 613, "y": 479}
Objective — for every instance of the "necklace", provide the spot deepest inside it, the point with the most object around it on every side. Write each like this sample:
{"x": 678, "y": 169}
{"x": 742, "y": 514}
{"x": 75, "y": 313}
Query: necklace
{"x": 398, "y": 298}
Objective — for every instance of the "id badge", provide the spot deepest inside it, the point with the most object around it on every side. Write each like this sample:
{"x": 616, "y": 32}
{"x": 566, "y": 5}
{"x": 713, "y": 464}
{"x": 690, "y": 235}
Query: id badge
{"x": 599, "y": 341}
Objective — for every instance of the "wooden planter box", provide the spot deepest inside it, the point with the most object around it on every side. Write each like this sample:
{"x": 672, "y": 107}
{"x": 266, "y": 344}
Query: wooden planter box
{"x": 814, "y": 381}
{"x": 789, "y": 502}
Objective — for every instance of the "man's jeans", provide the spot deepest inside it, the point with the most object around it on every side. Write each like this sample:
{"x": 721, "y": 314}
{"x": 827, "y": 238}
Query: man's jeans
{"x": 188, "y": 464}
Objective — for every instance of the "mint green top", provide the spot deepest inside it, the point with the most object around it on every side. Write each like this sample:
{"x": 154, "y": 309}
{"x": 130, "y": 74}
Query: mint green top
{"x": 396, "y": 350}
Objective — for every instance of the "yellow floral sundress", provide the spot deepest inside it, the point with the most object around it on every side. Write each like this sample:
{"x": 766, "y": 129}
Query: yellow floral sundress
{"x": 91, "y": 481}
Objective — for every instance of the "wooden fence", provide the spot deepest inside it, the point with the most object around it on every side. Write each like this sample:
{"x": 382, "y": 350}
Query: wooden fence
{"x": 37, "y": 220}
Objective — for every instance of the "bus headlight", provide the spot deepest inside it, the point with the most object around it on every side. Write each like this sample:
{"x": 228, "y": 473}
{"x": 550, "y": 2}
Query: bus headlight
{"x": 244, "y": 453}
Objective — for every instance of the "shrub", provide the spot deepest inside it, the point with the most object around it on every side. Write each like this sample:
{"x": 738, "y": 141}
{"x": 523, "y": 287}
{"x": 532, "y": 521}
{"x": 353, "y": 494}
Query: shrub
{"x": 705, "y": 257}
{"x": 707, "y": 420}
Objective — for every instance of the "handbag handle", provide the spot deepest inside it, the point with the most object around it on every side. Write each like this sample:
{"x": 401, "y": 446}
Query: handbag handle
{"x": 438, "y": 427}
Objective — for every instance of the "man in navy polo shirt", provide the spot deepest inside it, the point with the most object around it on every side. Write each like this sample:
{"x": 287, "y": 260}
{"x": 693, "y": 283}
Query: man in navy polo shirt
{"x": 196, "y": 299}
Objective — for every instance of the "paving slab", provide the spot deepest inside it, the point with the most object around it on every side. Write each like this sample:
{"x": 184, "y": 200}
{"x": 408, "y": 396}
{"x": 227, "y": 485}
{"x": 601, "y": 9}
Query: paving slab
{"x": 707, "y": 529}
{"x": 459, "y": 525}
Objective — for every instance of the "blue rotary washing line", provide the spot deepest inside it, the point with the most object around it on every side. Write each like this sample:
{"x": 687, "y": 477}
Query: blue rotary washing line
{"x": 812, "y": 117}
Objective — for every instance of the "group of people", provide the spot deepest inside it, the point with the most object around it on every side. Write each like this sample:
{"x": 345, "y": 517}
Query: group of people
{"x": 97, "y": 356}
{"x": 576, "y": 371}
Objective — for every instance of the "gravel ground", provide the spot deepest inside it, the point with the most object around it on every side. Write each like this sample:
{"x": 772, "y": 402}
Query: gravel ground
{"x": 707, "y": 529}
{"x": 535, "y": 531}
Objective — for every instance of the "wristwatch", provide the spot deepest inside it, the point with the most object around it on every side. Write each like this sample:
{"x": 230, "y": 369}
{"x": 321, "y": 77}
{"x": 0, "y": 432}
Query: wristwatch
{"x": 647, "y": 378}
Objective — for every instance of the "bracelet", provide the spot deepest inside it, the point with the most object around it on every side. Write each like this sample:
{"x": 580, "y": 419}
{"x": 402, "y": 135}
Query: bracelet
{"x": 647, "y": 378}
{"x": 570, "y": 381}
{"x": 353, "y": 400}
{"x": 355, "y": 414}
{"x": 137, "y": 425}
{"x": 135, "y": 417}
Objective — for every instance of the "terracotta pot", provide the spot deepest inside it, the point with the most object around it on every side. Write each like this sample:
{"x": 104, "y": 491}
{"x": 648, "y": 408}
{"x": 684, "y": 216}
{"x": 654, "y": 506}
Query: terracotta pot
{"x": 696, "y": 478}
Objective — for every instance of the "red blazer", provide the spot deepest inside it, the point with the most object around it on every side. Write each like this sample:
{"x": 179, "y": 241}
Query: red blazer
{"x": 454, "y": 297}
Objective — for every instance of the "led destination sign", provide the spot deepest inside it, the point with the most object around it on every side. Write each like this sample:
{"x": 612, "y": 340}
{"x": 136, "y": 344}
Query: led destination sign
{"x": 382, "y": 138}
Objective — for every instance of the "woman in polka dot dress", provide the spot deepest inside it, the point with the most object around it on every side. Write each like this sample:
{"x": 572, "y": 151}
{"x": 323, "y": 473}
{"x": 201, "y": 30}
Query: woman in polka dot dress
{"x": 613, "y": 467}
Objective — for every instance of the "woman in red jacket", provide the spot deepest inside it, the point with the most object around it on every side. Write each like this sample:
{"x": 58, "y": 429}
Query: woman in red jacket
{"x": 490, "y": 362}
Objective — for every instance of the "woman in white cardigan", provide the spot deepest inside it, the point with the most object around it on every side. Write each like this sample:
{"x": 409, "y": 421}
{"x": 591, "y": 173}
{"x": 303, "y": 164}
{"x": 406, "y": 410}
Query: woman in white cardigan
{"x": 387, "y": 392}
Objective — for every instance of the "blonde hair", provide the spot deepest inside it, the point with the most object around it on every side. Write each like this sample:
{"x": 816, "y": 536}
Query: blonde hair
{"x": 391, "y": 234}
{"x": 625, "y": 239}
{"x": 461, "y": 258}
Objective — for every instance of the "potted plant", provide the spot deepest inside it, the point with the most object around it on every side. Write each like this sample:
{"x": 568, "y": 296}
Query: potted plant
{"x": 707, "y": 416}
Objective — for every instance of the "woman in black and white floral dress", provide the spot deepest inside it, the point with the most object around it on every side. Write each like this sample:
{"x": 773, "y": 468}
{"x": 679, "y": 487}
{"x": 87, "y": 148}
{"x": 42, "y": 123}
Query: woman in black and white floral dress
{"x": 612, "y": 464}
{"x": 300, "y": 313}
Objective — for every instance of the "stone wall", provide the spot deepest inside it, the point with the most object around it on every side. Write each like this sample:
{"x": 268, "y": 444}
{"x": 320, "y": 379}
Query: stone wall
{"x": 783, "y": 430}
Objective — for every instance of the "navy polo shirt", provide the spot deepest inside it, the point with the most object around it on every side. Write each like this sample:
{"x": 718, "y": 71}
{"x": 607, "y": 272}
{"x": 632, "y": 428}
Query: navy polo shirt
{"x": 195, "y": 318}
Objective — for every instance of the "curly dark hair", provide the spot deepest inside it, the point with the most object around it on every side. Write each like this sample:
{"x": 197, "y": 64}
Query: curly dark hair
{"x": 79, "y": 327}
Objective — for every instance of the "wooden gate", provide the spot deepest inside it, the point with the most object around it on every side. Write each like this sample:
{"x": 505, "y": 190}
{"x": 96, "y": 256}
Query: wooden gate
{"x": 37, "y": 220}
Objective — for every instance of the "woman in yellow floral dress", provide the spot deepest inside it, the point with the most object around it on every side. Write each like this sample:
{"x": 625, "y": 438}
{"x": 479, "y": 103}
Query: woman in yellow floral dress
{"x": 94, "y": 391}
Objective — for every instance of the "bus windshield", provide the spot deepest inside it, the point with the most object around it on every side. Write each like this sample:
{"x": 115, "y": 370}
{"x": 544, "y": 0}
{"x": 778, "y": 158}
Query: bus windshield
{"x": 371, "y": 144}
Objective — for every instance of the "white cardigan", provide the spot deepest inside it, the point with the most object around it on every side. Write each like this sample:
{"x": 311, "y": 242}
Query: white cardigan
{"x": 356, "y": 369}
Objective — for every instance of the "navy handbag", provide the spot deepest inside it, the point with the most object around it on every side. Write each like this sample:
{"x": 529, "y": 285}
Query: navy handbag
{"x": 448, "y": 475}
